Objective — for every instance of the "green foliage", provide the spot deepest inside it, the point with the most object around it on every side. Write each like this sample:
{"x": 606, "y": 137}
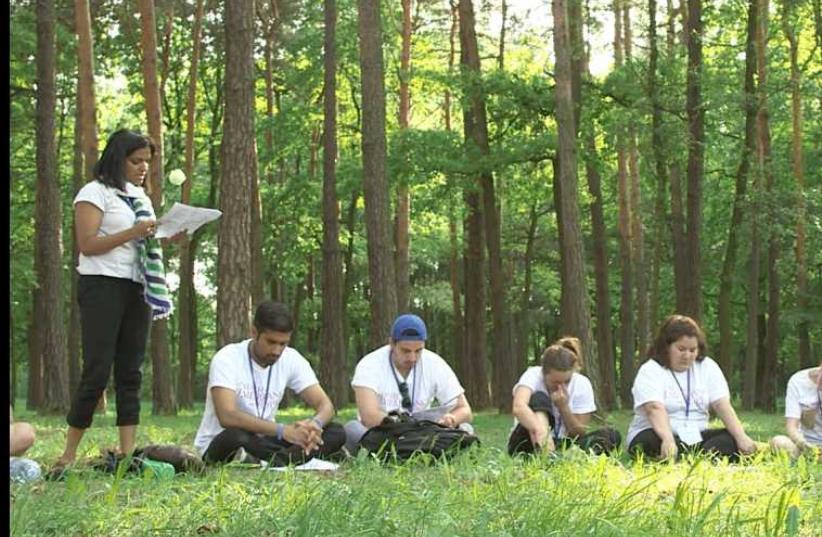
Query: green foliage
{"x": 436, "y": 163}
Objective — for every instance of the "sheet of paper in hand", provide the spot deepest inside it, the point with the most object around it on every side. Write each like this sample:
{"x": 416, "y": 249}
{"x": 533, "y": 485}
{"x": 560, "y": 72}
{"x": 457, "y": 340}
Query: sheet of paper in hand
{"x": 183, "y": 217}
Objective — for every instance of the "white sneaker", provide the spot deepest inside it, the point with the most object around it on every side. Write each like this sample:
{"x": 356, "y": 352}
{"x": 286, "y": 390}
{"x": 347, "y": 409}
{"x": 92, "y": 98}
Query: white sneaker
{"x": 242, "y": 456}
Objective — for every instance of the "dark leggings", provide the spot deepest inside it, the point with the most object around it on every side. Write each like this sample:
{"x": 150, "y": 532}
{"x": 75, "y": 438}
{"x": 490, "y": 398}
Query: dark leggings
{"x": 267, "y": 448}
{"x": 114, "y": 321}
{"x": 603, "y": 440}
{"x": 715, "y": 442}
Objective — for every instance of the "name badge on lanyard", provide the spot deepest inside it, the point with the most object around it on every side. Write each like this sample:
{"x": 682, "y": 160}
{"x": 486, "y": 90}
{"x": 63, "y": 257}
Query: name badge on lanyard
{"x": 687, "y": 431}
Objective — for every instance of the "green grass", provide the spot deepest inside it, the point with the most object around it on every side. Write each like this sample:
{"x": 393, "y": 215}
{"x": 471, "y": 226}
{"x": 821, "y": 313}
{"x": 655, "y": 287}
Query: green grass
{"x": 481, "y": 492}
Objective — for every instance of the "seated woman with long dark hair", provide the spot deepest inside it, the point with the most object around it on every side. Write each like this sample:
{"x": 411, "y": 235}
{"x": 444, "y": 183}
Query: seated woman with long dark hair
{"x": 674, "y": 392}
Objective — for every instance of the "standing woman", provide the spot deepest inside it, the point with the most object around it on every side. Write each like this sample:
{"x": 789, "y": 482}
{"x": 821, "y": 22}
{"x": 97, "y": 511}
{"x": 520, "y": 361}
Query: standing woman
{"x": 121, "y": 286}
{"x": 553, "y": 404}
{"x": 674, "y": 392}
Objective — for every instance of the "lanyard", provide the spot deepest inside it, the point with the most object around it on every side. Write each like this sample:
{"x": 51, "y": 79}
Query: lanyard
{"x": 688, "y": 398}
{"x": 254, "y": 384}
{"x": 396, "y": 378}
{"x": 557, "y": 424}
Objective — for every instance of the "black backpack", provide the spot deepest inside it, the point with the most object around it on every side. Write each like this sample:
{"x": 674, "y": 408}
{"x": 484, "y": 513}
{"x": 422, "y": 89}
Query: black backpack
{"x": 400, "y": 436}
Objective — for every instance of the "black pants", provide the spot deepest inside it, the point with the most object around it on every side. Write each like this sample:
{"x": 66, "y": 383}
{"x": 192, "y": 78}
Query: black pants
{"x": 603, "y": 440}
{"x": 114, "y": 321}
{"x": 267, "y": 448}
{"x": 717, "y": 442}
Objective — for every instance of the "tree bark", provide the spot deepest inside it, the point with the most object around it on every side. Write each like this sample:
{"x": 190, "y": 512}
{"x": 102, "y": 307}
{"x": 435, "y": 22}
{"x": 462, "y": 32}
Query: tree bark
{"x": 381, "y": 274}
{"x": 48, "y": 253}
{"x": 766, "y": 392}
{"x": 752, "y": 339}
{"x": 403, "y": 215}
{"x": 453, "y": 265}
{"x": 574, "y": 307}
{"x": 660, "y": 171}
{"x": 803, "y": 329}
{"x": 332, "y": 336}
{"x": 727, "y": 277}
{"x": 604, "y": 339}
{"x": 35, "y": 392}
{"x": 85, "y": 84}
{"x": 692, "y": 305}
{"x": 626, "y": 258}
{"x": 73, "y": 345}
{"x": 502, "y": 30}
{"x": 239, "y": 169}
{"x": 162, "y": 385}
{"x": 476, "y": 134}
{"x": 186, "y": 296}
{"x": 474, "y": 336}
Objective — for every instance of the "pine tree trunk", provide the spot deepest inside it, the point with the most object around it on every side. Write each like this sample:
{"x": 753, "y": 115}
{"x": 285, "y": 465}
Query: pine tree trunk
{"x": 696, "y": 162}
{"x": 626, "y": 261}
{"x": 476, "y": 135}
{"x": 48, "y": 265}
{"x": 256, "y": 244}
{"x": 453, "y": 266}
{"x": 403, "y": 215}
{"x": 73, "y": 336}
{"x": 381, "y": 272}
{"x": 162, "y": 384}
{"x": 605, "y": 345}
{"x": 474, "y": 339}
{"x": 85, "y": 85}
{"x": 238, "y": 169}
{"x": 752, "y": 340}
{"x": 574, "y": 307}
{"x": 802, "y": 326}
{"x": 332, "y": 337}
{"x": 186, "y": 297}
{"x": 35, "y": 391}
{"x": 658, "y": 155}
{"x": 727, "y": 277}
{"x": 766, "y": 396}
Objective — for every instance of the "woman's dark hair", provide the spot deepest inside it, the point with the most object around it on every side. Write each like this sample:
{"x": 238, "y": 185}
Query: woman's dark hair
{"x": 565, "y": 354}
{"x": 673, "y": 328}
{"x": 273, "y": 316}
{"x": 109, "y": 169}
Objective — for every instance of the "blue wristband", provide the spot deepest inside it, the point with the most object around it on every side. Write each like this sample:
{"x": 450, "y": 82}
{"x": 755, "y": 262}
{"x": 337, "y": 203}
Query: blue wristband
{"x": 318, "y": 421}
{"x": 280, "y": 430}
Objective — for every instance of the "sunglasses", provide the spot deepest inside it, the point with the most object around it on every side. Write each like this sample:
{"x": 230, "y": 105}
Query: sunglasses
{"x": 406, "y": 399}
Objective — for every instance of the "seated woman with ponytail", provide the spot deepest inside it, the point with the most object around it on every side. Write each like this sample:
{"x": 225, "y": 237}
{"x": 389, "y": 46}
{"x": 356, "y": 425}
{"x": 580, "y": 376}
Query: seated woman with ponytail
{"x": 553, "y": 404}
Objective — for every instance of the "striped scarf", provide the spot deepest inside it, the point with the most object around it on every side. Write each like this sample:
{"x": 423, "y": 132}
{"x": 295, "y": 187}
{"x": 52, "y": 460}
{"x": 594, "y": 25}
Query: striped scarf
{"x": 150, "y": 255}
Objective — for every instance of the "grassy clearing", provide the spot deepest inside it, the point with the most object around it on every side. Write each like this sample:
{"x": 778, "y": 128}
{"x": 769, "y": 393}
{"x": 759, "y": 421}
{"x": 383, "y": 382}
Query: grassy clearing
{"x": 483, "y": 492}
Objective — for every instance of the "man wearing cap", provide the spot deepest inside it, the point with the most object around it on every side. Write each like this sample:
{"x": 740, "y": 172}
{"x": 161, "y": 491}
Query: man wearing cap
{"x": 405, "y": 376}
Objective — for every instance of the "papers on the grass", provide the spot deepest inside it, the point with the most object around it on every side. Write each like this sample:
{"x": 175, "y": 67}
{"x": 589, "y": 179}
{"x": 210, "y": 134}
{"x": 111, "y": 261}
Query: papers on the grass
{"x": 313, "y": 464}
{"x": 183, "y": 217}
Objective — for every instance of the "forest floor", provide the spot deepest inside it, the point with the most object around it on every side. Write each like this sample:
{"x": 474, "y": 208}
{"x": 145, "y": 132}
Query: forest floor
{"x": 481, "y": 492}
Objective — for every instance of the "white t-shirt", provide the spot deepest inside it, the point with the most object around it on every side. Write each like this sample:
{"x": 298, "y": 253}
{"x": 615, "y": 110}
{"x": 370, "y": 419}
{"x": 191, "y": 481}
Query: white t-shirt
{"x": 580, "y": 394}
{"x": 803, "y": 401}
{"x": 430, "y": 378}
{"x": 230, "y": 369}
{"x": 120, "y": 261}
{"x": 654, "y": 382}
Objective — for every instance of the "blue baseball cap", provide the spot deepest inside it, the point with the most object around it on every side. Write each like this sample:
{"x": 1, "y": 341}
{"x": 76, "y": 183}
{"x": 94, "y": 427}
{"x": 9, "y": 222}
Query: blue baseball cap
{"x": 409, "y": 327}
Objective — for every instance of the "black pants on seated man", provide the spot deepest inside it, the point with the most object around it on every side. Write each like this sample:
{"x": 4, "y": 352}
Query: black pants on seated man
{"x": 276, "y": 452}
{"x": 602, "y": 440}
{"x": 716, "y": 442}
